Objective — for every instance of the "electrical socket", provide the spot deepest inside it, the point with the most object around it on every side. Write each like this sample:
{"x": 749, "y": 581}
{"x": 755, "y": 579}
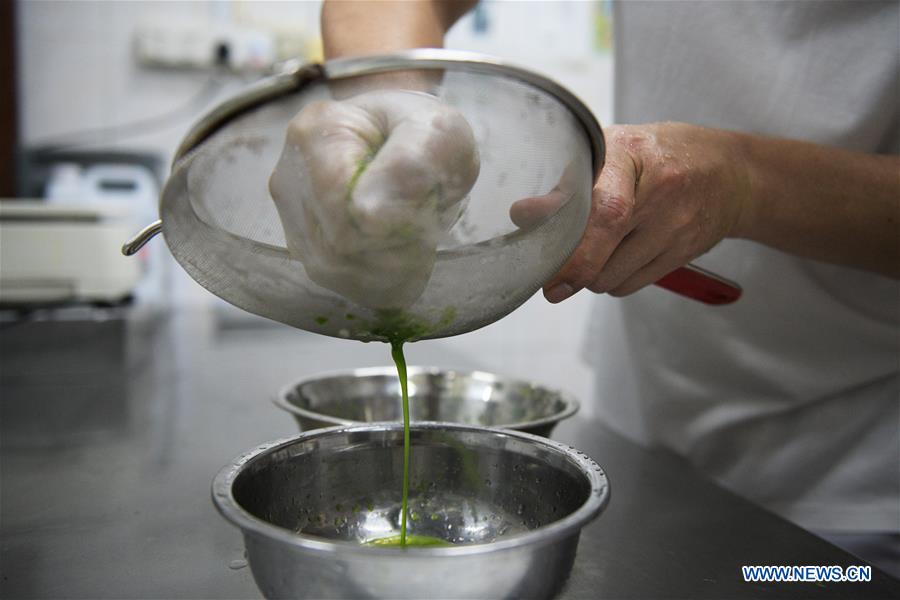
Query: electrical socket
{"x": 200, "y": 47}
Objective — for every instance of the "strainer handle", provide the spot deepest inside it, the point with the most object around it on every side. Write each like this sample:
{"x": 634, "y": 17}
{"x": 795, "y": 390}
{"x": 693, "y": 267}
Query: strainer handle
{"x": 143, "y": 236}
{"x": 699, "y": 284}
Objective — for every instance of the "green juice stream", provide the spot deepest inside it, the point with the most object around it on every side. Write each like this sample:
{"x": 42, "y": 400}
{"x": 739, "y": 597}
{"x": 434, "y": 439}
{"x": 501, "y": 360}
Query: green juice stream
{"x": 400, "y": 361}
{"x": 403, "y": 540}
{"x": 398, "y": 327}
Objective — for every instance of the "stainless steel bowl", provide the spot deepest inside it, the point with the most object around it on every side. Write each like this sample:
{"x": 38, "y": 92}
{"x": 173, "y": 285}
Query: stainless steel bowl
{"x": 467, "y": 397}
{"x": 513, "y": 505}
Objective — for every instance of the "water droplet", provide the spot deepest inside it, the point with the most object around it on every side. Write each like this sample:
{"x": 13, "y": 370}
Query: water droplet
{"x": 520, "y": 510}
{"x": 238, "y": 563}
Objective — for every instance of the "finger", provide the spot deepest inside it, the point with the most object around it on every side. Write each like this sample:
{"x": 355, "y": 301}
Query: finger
{"x": 609, "y": 222}
{"x": 636, "y": 251}
{"x": 652, "y": 272}
{"x": 531, "y": 212}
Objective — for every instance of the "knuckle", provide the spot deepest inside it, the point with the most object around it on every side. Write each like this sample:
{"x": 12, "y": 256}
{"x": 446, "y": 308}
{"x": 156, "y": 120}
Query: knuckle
{"x": 688, "y": 242}
{"x": 581, "y": 272}
{"x": 602, "y": 282}
{"x": 631, "y": 138}
{"x": 673, "y": 177}
{"x": 597, "y": 287}
{"x": 616, "y": 209}
{"x": 682, "y": 223}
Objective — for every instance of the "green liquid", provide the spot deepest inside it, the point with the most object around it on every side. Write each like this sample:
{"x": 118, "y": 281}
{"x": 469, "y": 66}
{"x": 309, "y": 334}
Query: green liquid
{"x": 395, "y": 541}
{"x": 398, "y": 328}
{"x": 400, "y": 361}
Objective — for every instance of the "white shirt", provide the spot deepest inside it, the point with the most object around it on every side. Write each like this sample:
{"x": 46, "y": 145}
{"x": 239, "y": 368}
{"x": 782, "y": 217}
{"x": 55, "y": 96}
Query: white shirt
{"x": 791, "y": 396}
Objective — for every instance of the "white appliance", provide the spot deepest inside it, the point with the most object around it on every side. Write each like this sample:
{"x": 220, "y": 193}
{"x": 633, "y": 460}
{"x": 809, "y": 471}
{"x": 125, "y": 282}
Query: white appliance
{"x": 67, "y": 248}
{"x": 65, "y": 253}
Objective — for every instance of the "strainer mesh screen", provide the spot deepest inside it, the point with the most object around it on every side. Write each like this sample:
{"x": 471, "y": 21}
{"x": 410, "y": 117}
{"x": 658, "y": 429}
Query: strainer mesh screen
{"x": 221, "y": 224}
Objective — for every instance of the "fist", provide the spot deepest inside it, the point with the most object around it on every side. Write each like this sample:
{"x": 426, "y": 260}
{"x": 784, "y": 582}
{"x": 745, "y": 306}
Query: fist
{"x": 366, "y": 187}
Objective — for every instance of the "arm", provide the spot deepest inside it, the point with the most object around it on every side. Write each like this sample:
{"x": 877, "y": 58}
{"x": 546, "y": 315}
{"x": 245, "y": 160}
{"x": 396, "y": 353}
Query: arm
{"x": 671, "y": 191}
{"x": 365, "y": 27}
{"x": 823, "y": 203}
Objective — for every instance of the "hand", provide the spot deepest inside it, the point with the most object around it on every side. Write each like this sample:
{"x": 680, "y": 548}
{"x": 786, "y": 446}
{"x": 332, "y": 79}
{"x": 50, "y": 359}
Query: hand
{"x": 667, "y": 193}
{"x": 366, "y": 186}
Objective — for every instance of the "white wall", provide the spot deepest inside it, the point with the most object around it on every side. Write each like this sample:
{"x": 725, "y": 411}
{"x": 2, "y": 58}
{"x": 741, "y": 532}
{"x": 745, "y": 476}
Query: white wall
{"x": 77, "y": 73}
{"x": 553, "y": 38}
{"x": 77, "y": 70}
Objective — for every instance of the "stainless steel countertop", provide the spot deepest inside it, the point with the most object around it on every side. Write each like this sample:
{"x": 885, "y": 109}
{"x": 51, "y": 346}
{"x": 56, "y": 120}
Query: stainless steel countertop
{"x": 113, "y": 429}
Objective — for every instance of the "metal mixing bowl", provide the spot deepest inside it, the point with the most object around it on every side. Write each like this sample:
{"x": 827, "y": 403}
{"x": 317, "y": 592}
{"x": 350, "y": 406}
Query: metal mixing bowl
{"x": 513, "y": 504}
{"x": 467, "y": 397}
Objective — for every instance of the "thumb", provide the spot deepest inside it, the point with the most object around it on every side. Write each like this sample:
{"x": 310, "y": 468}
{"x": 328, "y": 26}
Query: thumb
{"x": 531, "y": 212}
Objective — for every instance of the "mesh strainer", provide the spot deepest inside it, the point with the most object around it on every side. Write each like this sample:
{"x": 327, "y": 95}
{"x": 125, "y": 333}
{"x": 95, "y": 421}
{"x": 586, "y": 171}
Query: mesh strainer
{"x": 222, "y": 226}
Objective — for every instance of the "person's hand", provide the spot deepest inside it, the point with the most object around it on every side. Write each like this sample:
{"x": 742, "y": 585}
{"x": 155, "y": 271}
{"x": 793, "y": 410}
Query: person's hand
{"x": 667, "y": 193}
{"x": 365, "y": 187}
{"x": 528, "y": 213}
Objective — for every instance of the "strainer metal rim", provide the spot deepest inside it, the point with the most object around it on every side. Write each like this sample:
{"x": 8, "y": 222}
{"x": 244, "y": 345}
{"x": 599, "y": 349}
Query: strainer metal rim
{"x": 570, "y": 403}
{"x": 439, "y": 58}
{"x": 597, "y": 500}
{"x": 296, "y": 74}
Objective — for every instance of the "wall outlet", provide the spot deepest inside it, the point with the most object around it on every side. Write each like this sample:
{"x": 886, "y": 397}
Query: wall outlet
{"x": 200, "y": 46}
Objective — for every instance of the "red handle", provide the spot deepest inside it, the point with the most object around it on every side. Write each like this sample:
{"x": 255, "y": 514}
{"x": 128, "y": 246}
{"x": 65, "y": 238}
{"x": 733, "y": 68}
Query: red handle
{"x": 700, "y": 284}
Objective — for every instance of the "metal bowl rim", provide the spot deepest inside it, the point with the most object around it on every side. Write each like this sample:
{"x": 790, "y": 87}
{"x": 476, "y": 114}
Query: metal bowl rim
{"x": 228, "y": 507}
{"x": 570, "y": 403}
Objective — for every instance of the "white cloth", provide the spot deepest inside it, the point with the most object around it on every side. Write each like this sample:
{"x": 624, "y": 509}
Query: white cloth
{"x": 365, "y": 188}
{"x": 791, "y": 396}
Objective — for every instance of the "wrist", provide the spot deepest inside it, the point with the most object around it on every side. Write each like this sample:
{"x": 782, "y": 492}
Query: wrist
{"x": 745, "y": 186}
